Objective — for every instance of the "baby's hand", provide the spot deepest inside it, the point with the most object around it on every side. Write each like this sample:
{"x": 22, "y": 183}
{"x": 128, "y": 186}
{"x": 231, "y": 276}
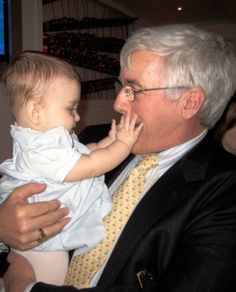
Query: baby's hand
{"x": 113, "y": 131}
{"x": 127, "y": 132}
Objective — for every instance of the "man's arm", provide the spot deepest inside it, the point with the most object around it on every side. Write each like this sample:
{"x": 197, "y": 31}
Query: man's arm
{"x": 20, "y": 277}
{"x": 19, "y": 273}
{"x": 20, "y": 221}
{"x": 205, "y": 259}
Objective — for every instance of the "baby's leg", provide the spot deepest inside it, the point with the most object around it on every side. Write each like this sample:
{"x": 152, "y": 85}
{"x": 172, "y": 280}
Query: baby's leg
{"x": 49, "y": 266}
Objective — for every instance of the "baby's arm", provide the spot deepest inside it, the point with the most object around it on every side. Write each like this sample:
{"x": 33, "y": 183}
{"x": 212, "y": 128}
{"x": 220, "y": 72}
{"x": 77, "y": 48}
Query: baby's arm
{"x": 103, "y": 160}
{"x": 106, "y": 141}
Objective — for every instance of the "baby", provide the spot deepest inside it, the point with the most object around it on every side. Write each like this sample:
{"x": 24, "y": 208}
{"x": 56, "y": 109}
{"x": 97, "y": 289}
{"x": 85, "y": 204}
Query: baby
{"x": 44, "y": 94}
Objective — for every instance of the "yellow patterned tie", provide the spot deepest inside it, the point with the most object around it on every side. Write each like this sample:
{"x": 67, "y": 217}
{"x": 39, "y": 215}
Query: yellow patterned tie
{"x": 83, "y": 267}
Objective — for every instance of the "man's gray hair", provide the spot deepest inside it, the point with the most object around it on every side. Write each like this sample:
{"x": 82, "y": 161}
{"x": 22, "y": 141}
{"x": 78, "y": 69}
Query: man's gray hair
{"x": 191, "y": 57}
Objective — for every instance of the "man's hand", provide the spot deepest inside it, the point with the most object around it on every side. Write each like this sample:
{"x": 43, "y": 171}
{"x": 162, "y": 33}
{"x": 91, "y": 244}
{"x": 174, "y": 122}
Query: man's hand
{"x": 20, "y": 221}
{"x": 19, "y": 274}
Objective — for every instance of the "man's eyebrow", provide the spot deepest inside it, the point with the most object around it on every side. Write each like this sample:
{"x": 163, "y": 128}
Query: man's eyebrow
{"x": 131, "y": 82}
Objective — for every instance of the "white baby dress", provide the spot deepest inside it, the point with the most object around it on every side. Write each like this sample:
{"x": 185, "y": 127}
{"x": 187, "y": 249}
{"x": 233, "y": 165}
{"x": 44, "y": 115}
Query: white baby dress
{"x": 48, "y": 157}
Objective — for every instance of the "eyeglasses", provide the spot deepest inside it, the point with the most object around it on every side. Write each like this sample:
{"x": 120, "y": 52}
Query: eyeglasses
{"x": 132, "y": 92}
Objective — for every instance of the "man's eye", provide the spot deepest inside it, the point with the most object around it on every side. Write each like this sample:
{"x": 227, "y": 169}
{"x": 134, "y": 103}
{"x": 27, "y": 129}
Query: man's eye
{"x": 133, "y": 88}
{"x": 129, "y": 87}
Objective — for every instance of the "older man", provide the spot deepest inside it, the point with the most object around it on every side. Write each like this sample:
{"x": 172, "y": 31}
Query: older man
{"x": 181, "y": 232}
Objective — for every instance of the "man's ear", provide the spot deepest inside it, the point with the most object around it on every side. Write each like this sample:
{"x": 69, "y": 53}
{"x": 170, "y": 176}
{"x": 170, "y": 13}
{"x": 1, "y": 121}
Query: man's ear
{"x": 192, "y": 101}
{"x": 33, "y": 111}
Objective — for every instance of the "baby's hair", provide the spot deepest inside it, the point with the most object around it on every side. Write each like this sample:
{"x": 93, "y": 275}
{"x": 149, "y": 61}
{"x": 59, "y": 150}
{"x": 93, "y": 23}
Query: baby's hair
{"x": 29, "y": 75}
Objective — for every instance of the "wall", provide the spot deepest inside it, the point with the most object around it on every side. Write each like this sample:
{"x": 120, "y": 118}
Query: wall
{"x": 95, "y": 108}
{"x": 227, "y": 30}
{"x": 32, "y": 33}
{"x": 15, "y": 37}
{"x": 6, "y": 120}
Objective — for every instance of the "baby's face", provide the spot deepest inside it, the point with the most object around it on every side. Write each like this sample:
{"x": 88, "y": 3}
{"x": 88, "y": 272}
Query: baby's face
{"x": 59, "y": 105}
{"x": 229, "y": 140}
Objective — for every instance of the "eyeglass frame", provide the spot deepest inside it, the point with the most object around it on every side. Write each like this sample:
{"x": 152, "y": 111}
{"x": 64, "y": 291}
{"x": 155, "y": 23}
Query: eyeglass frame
{"x": 132, "y": 91}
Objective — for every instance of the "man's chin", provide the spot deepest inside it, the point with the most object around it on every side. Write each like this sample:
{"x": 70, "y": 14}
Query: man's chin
{"x": 139, "y": 149}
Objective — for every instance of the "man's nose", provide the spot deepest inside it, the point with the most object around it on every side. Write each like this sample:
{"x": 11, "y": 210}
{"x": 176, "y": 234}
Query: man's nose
{"x": 121, "y": 104}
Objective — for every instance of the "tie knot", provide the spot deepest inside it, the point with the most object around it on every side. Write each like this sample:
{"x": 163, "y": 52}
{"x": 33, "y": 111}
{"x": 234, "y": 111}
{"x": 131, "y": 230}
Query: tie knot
{"x": 148, "y": 162}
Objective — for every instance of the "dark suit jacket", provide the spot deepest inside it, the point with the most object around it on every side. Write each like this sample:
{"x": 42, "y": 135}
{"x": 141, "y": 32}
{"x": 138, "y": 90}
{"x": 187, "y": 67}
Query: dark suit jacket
{"x": 182, "y": 235}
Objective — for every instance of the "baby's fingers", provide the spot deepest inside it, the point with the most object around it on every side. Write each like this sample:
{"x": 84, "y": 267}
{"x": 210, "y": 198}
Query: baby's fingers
{"x": 127, "y": 122}
{"x": 113, "y": 130}
{"x": 122, "y": 122}
{"x": 113, "y": 125}
{"x": 132, "y": 123}
{"x": 138, "y": 129}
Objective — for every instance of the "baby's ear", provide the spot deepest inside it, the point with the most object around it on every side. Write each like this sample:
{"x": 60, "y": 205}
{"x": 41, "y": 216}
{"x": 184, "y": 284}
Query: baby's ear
{"x": 33, "y": 111}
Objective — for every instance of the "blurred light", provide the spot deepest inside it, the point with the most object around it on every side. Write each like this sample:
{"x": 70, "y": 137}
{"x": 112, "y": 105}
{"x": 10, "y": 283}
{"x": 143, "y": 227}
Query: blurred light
{"x": 179, "y": 8}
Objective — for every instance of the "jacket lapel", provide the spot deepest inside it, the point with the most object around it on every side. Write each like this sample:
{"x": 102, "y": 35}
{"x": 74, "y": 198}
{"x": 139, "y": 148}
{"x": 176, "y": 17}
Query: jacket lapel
{"x": 171, "y": 189}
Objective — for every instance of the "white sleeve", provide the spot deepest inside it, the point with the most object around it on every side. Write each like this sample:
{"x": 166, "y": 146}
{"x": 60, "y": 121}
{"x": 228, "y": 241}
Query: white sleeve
{"x": 51, "y": 156}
